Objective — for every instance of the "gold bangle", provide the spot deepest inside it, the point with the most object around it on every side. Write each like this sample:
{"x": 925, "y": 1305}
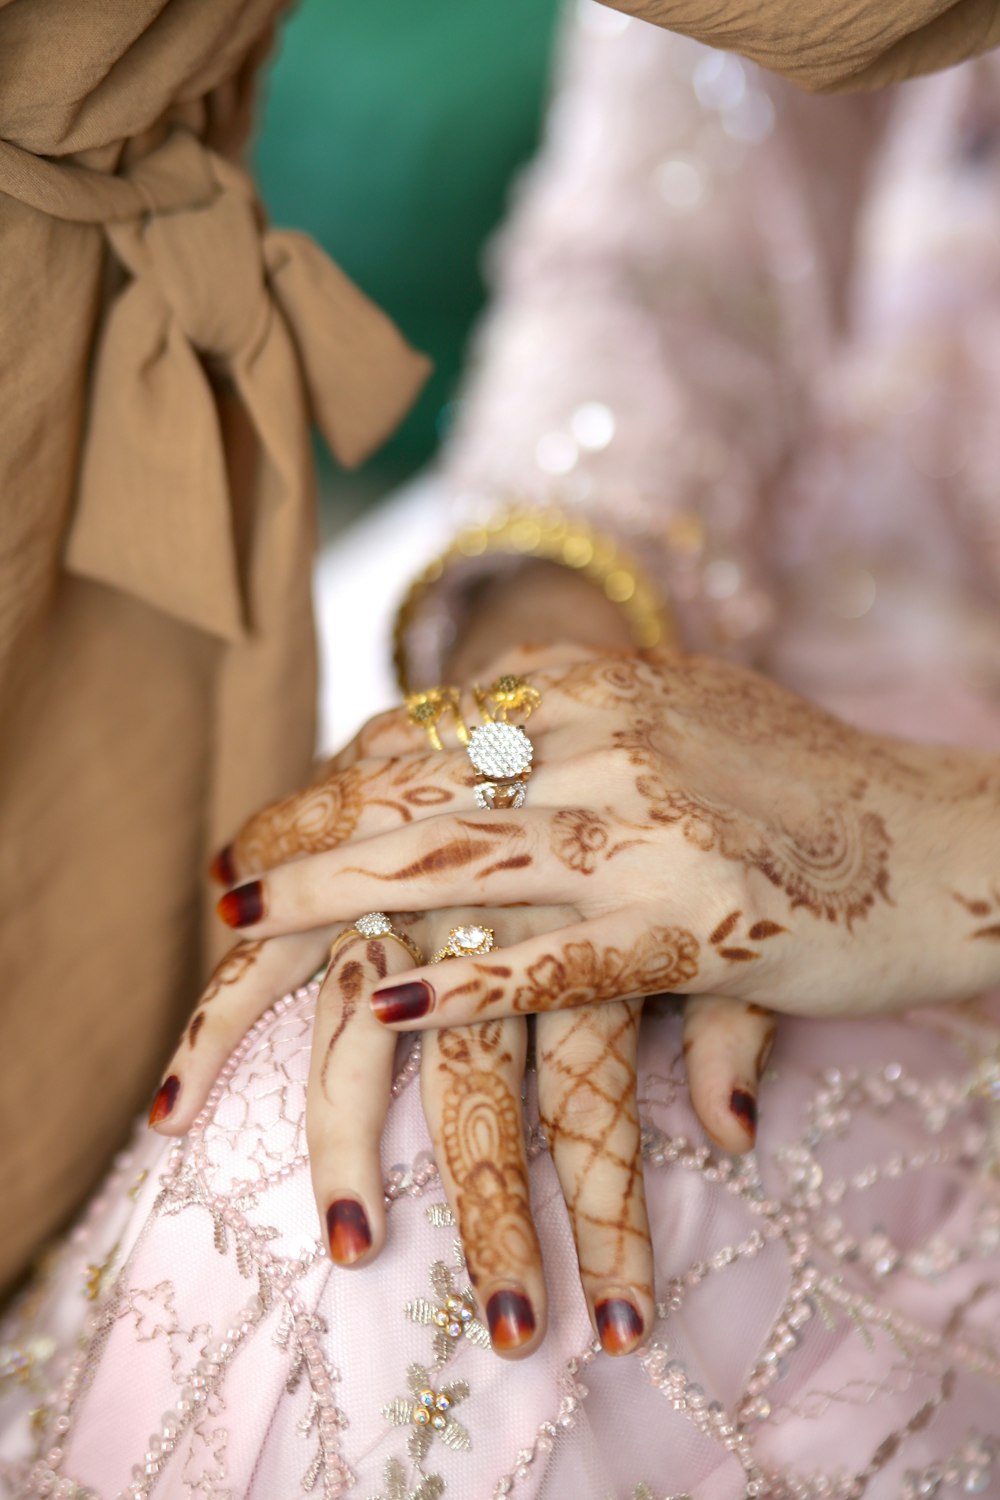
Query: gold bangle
{"x": 555, "y": 537}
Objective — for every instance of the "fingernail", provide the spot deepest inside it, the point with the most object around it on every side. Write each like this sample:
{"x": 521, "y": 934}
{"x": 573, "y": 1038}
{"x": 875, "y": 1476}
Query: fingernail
{"x": 402, "y": 1002}
{"x": 222, "y": 868}
{"x": 619, "y": 1324}
{"x": 166, "y": 1098}
{"x": 511, "y": 1318}
{"x": 348, "y": 1231}
{"x": 243, "y": 906}
{"x": 744, "y": 1107}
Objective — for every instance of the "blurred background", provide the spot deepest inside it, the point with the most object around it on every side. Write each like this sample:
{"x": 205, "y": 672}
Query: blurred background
{"x": 390, "y": 133}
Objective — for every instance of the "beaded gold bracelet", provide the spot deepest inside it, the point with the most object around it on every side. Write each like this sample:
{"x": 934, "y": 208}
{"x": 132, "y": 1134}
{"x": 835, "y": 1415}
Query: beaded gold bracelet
{"x": 551, "y": 536}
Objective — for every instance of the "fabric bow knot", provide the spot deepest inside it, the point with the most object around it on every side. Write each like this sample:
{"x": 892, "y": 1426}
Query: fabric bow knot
{"x": 211, "y": 289}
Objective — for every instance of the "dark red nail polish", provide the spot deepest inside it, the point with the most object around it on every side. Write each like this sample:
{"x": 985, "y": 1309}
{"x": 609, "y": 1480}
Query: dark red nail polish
{"x": 166, "y": 1098}
{"x": 222, "y": 868}
{"x": 511, "y": 1319}
{"x": 744, "y": 1107}
{"x": 402, "y": 1002}
{"x": 348, "y": 1231}
{"x": 243, "y": 906}
{"x": 619, "y": 1325}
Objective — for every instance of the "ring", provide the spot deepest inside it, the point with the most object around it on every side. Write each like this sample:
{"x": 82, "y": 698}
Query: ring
{"x": 375, "y": 924}
{"x": 465, "y": 941}
{"x": 508, "y": 694}
{"x": 426, "y": 709}
{"x": 502, "y": 754}
{"x": 500, "y": 796}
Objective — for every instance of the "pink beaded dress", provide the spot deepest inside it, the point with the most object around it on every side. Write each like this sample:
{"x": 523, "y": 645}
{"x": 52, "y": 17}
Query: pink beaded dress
{"x": 758, "y": 334}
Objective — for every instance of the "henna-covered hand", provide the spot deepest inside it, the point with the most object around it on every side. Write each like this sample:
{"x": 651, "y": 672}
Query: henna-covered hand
{"x": 712, "y": 832}
{"x": 471, "y": 1081}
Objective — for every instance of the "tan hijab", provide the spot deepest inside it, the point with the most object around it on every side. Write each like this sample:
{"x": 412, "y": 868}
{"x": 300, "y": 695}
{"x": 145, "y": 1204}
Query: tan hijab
{"x": 835, "y": 44}
{"x": 162, "y": 354}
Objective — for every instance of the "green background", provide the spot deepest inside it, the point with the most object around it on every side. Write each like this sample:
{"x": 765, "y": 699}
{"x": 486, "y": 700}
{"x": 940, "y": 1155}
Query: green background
{"x": 389, "y": 132}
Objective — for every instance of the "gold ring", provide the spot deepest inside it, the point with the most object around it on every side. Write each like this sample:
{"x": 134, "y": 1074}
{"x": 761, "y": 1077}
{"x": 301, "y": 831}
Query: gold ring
{"x": 375, "y": 924}
{"x": 508, "y": 695}
{"x": 427, "y": 709}
{"x": 465, "y": 941}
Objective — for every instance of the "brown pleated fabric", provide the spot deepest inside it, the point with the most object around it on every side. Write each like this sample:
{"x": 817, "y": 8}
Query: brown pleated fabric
{"x": 835, "y": 44}
{"x": 162, "y": 354}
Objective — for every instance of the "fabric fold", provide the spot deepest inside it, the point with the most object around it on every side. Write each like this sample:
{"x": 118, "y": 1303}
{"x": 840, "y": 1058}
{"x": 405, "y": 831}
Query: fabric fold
{"x": 211, "y": 292}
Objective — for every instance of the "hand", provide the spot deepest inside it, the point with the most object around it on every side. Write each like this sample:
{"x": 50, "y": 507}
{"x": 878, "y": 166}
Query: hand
{"x": 471, "y": 1081}
{"x": 712, "y": 832}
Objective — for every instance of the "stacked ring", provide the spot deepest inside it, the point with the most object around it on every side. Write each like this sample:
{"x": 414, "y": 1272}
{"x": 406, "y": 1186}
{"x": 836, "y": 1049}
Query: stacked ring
{"x": 500, "y": 751}
{"x": 465, "y": 941}
{"x": 428, "y": 708}
{"x": 375, "y": 924}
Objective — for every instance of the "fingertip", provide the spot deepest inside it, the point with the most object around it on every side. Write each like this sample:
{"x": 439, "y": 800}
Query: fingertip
{"x": 515, "y": 1322}
{"x": 350, "y": 1238}
{"x": 402, "y": 1004}
{"x": 222, "y": 869}
{"x": 743, "y": 1106}
{"x": 620, "y": 1325}
{"x": 242, "y": 906}
{"x": 730, "y": 1120}
{"x": 164, "y": 1101}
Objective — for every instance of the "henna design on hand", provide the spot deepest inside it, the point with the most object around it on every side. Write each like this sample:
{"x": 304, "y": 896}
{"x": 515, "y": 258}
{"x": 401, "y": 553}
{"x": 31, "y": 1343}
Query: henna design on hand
{"x": 327, "y": 812}
{"x": 612, "y": 680}
{"x": 476, "y": 844}
{"x": 308, "y": 822}
{"x": 580, "y": 838}
{"x": 482, "y": 1145}
{"x": 759, "y": 932}
{"x": 237, "y": 962}
{"x": 980, "y": 908}
{"x": 590, "y": 1082}
{"x": 662, "y": 959}
{"x": 832, "y": 861}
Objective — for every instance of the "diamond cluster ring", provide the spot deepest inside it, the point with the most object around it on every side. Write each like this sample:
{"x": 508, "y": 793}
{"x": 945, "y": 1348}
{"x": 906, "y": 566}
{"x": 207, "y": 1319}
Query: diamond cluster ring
{"x": 375, "y": 924}
{"x": 501, "y": 752}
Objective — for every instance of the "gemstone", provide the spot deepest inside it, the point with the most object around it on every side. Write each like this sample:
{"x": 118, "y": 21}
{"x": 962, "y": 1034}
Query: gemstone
{"x": 500, "y": 750}
{"x": 472, "y": 939}
{"x": 374, "y": 924}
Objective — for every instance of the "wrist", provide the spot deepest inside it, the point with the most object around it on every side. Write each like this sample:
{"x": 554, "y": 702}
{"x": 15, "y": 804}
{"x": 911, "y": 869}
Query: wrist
{"x": 542, "y": 604}
{"x": 953, "y": 834}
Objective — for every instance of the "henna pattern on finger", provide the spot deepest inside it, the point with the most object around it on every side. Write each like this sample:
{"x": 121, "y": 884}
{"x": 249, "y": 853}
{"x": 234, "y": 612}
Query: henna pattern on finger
{"x": 661, "y": 959}
{"x": 980, "y": 908}
{"x": 458, "y": 852}
{"x": 350, "y": 979}
{"x": 580, "y": 839}
{"x": 308, "y": 822}
{"x": 590, "y": 1114}
{"x": 482, "y": 1146}
{"x": 237, "y": 963}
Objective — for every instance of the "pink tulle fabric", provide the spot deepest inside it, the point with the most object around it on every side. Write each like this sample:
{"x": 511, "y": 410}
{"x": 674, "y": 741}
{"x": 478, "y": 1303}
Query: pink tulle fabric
{"x": 757, "y": 333}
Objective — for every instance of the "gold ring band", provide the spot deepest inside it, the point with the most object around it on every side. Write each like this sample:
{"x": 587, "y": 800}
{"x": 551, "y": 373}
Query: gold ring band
{"x": 375, "y": 925}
